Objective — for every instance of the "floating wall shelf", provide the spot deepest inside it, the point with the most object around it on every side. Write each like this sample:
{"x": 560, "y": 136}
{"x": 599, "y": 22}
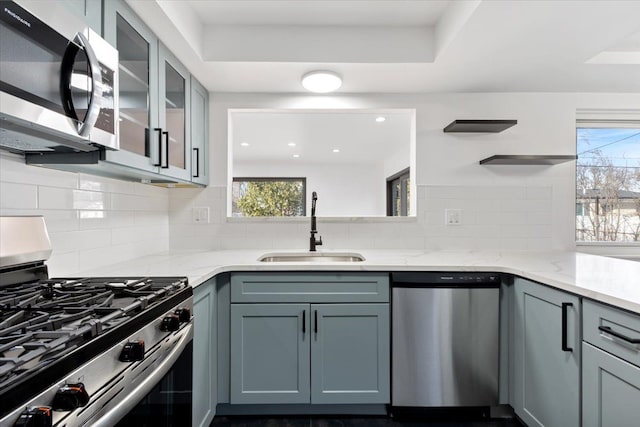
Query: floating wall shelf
{"x": 486, "y": 126}
{"x": 502, "y": 159}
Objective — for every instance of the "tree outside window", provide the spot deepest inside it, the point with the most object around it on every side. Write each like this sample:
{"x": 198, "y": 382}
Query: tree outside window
{"x": 608, "y": 184}
{"x": 252, "y": 197}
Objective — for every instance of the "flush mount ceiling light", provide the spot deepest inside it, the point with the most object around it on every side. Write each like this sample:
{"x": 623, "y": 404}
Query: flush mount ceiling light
{"x": 296, "y": 155}
{"x": 380, "y": 119}
{"x": 336, "y": 150}
{"x": 244, "y": 144}
{"x": 321, "y": 81}
{"x": 291, "y": 144}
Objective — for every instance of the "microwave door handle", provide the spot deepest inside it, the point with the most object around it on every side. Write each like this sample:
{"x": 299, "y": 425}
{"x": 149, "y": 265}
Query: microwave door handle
{"x": 132, "y": 398}
{"x": 93, "y": 110}
{"x": 66, "y": 73}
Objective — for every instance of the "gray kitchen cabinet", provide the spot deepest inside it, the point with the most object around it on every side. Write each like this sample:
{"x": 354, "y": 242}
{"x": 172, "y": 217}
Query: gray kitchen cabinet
{"x": 610, "y": 366}
{"x": 204, "y": 354}
{"x": 610, "y": 390}
{"x": 89, "y": 10}
{"x": 545, "y": 382}
{"x": 154, "y": 100}
{"x": 270, "y": 353}
{"x": 199, "y": 133}
{"x": 317, "y": 346}
{"x": 350, "y": 353}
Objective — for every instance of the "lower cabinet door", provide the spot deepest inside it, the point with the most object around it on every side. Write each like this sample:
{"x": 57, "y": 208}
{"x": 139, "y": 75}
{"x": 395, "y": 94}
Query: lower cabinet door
{"x": 350, "y": 353}
{"x": 610, "y": 390}
{"x": 270, "y": 353}
{"x": 546, "y": 381}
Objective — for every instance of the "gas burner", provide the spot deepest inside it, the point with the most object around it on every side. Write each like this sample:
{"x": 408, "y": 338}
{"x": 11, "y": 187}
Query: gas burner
{"x": 43, "y": 321}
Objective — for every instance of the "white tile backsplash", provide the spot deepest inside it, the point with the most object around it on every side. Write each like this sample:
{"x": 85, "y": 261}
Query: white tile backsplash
{"x": 92, "y": 221}
{"x": 96, "y": 221}
{"x": 494, "y": 217}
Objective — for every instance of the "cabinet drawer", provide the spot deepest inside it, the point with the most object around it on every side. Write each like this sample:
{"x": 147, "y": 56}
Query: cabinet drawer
{"x": 309, "y": 287}
{"x": 621, "y": 323}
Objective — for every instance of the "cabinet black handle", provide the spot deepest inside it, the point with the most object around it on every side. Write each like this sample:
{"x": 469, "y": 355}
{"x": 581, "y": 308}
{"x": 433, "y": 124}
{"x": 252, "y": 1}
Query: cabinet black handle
{"x": 315, "y": 326}
{"x": 565, "y": 346}
{"x": 166, "y": 143}
{"x": 623, "y": 337}
{"x": 304, "y": 321}
{"x": 197, "y": 175}
{"x": 159, "y": 147}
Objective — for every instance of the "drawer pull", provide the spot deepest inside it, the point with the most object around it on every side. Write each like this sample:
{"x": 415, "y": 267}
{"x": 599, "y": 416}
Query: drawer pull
{"x": 610, "y": 331}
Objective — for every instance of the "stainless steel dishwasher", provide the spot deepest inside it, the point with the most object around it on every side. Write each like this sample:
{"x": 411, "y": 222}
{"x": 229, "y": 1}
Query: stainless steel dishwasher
{"x": 444, "y": 340}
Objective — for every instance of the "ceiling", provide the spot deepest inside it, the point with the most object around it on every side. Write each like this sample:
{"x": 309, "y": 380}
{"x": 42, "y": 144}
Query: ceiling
{"x": 405, "y": 46}
{"x": 356, "y": 133}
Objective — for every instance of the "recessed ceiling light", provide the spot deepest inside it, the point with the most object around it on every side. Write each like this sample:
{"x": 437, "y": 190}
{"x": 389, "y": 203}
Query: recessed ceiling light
{"x": 296, "y": 155}
{"x": 321, "y": 81}
{"x": 380, "y": 119}
{"x": 244, "y": 144}
{"x": 291, "y": 144}
{"x": 336, "y": 150}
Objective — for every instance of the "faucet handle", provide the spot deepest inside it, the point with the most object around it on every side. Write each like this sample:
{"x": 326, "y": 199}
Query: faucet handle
{"x": 319, "y": 242}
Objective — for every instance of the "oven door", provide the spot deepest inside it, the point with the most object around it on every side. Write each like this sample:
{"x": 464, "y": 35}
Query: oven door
{"x": 50, "y": 84}
{"x": 163, "y": 398}
{"x": 169, "y": 403}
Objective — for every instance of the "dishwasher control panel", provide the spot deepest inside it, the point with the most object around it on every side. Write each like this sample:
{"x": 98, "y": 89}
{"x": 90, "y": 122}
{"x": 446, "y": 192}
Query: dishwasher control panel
{"x": 436, "y": 278}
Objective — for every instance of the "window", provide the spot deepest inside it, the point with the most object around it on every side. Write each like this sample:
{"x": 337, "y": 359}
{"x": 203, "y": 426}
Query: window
{"x": 269, "y": 197}
{"x": 608, "y": 183}
{"x": 398, "y": 194}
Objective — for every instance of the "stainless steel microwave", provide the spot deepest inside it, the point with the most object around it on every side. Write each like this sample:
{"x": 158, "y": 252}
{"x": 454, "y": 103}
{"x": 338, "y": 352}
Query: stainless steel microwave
{"x": 58, "y": 81}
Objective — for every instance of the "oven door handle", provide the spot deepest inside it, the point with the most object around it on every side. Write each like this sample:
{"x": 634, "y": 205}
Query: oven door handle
{"x": 112, "y": 417}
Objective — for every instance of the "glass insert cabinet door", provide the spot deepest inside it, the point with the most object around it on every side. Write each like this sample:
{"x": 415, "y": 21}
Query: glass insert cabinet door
{"x": 175, "y": 96}
{"x": 134, "y": 88}
{"x": 138, "y": 66}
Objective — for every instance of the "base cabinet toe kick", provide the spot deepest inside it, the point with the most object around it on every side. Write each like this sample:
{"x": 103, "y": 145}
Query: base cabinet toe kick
{"x": 366, "y": 343}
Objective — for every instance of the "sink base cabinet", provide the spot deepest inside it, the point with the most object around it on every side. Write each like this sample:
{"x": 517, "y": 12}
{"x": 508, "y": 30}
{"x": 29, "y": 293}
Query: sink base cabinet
{"x": 546, "y": 347}
{"x": 309, "y": 353}
{"x": 270, "y": 353}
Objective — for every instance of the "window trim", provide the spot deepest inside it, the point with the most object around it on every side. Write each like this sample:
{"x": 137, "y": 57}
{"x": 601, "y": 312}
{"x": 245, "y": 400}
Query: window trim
{"x": 272, "y": 179}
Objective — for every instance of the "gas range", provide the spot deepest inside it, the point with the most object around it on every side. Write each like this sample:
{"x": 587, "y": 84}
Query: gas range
{"x": 76, "y": 351}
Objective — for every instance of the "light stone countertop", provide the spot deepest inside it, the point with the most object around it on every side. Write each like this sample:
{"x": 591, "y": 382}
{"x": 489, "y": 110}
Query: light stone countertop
{"x": 608, "y": 280}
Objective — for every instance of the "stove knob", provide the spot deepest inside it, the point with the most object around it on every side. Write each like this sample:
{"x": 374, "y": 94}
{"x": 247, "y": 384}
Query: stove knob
{"x": 184, "y": 314}
{"x": 170, "y": 323}
{"x": 37, "y": 416}
{"x": 69, "y": 397}
{"x": 132, "y": 351}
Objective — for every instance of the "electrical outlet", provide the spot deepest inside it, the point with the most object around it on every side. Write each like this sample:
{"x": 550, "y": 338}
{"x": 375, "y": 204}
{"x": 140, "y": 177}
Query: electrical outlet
{"x": 200, "y": 215}
{"x": 453, "y": 216}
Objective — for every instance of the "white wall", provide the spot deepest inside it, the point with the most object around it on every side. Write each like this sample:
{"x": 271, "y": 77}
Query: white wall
{"x": 92, "y": 221}
{"x": 504, "y": 207}
{"x": 343, "y": 189}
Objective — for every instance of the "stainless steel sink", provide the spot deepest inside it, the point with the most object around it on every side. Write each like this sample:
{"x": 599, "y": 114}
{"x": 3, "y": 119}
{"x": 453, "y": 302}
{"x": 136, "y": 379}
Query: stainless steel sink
{"x": 311, "y": 257}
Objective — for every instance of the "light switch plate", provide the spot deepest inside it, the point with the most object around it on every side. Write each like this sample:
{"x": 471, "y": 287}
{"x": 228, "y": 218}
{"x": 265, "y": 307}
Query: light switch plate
{"x": 453, "y": 216}
{"x": 200, "y": 215}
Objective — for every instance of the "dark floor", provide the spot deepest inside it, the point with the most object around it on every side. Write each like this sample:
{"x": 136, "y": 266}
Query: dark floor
{"x": 352, "y": 422}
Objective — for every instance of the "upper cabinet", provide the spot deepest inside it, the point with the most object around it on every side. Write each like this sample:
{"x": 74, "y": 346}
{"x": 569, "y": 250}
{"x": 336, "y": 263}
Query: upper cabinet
{"x": 155, "y": 102}
{"x": 199, "y": 133}
{"x": 89, "y": 10}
